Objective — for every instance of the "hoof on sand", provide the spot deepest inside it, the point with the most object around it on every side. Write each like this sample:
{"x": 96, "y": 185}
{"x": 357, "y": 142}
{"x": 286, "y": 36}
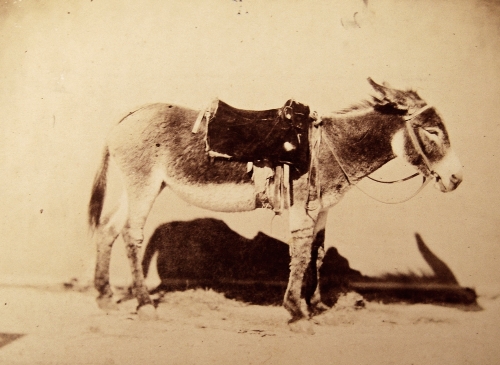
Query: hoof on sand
{"x": 147, "y": 313}
{"x": 318, "y": 308}
{"x": 301, "y": 326}
{"x": 107, "y": 304}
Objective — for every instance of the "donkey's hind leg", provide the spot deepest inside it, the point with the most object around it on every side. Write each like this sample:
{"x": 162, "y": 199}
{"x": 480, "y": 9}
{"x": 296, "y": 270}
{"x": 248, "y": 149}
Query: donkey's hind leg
{"x": 105, "y": 235}
{"x": 141, "y": 197}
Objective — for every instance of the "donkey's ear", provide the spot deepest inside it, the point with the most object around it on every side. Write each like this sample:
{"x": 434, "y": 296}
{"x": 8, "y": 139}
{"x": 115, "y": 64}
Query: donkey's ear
{"x": 381, "y": 89}
{"x": 390, "y": 96}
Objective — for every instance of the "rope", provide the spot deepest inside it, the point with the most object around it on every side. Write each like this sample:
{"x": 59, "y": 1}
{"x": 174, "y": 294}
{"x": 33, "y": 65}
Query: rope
{"x": 394, "y": 181}
{"x": 425, "y": 181}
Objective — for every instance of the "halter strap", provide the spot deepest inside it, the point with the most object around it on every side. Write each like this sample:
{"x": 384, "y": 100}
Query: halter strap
{"x": 415, "y": 141}
{"x": 418, "y": 112}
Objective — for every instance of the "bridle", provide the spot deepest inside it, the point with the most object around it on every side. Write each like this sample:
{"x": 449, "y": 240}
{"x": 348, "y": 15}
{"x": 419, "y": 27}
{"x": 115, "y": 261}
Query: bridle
{"x": 416, "y": 144}
{"x": 415, "y": 141}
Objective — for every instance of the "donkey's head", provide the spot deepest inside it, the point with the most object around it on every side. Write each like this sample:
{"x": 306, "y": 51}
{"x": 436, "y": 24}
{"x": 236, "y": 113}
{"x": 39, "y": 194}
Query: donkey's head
{"x": 423, "y": 141}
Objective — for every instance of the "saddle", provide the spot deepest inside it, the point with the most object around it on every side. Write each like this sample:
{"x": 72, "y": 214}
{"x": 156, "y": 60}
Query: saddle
{"x": 269, "y": 141}
{"x": 278, "y": 136}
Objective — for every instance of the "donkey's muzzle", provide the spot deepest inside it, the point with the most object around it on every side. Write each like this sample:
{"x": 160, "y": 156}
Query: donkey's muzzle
{"x": 449, "y": 171}
{"x": 451, "y": 184}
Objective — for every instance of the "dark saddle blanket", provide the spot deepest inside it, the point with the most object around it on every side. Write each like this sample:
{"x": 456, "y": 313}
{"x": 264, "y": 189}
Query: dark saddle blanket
{"x": 276, "y": 136}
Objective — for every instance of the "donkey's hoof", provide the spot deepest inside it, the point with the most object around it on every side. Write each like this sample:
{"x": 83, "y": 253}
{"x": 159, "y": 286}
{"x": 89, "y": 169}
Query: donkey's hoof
{"x": 147, "y": 312}
{"x": 317, "y": 309}
{"x": 107, "y": 304}
{"x": 302, "y": 325}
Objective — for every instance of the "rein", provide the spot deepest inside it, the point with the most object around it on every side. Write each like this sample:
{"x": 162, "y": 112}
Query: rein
{"x": 416, "y": 143}
{"x": 425, "y": 181}
{"x": 394, "y": 181}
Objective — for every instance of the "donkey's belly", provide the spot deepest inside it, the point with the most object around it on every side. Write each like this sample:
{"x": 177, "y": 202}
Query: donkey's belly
{"x": 217, "y": 197}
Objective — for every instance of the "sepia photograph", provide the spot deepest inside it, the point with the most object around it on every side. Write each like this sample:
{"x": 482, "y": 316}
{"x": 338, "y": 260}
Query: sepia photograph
{"x": 250, "y": 182}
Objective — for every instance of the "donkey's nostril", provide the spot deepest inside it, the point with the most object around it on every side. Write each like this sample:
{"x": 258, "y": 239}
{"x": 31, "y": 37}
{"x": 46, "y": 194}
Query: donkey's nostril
{"x": 456, "y": 179}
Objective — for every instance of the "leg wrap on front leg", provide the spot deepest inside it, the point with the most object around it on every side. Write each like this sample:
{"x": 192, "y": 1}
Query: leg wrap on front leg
{"x": 300, "y": 252}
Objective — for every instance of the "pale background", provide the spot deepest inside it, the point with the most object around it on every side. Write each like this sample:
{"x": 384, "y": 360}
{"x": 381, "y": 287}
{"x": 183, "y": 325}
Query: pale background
{"x": 69, "y": 70}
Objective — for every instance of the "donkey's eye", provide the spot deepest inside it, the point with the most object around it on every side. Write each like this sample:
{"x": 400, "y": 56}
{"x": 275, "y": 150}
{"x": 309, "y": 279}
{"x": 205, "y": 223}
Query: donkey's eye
{"x": 433, "y": 131}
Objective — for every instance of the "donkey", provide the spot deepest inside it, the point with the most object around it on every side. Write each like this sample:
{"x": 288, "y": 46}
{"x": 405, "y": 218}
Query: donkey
{"x": 153, "y": 147}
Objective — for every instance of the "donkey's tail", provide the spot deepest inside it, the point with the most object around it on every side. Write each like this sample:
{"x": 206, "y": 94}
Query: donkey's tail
{"x": 98, "y": 191}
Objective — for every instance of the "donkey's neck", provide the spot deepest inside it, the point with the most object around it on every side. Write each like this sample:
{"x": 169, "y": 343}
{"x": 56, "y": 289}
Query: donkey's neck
{"x": 361, "y": 140}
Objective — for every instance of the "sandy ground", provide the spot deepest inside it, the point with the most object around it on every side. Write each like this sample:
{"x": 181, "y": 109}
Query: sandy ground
{"x": 203, "y": 327}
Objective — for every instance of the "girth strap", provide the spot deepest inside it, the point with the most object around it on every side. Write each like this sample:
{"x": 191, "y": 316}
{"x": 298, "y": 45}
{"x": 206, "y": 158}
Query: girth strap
{"x": 313, "y": 179}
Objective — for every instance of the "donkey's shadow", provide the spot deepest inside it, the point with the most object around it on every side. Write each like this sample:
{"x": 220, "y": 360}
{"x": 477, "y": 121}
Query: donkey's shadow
{"x": 206, "y": 253}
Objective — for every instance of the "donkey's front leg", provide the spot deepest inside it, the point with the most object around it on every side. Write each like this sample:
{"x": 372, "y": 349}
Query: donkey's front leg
{"x": 312, "y": 292}
{"x": 302, "y": 227}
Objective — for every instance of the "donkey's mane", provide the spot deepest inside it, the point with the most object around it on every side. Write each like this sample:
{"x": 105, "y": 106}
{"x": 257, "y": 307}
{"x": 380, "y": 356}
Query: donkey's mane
{"x": 360, "y": 106}
{"x": 382, "y": 104}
